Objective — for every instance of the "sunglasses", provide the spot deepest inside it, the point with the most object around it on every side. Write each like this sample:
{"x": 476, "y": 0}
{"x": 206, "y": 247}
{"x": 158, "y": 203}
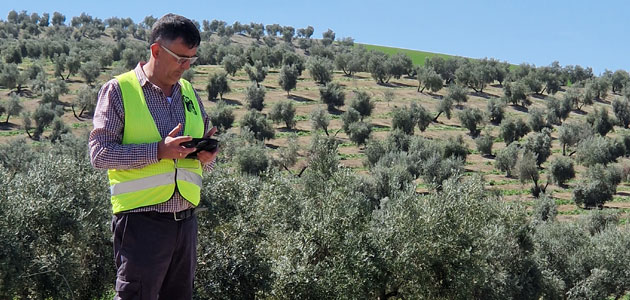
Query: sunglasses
{"x": 180, "y": 60}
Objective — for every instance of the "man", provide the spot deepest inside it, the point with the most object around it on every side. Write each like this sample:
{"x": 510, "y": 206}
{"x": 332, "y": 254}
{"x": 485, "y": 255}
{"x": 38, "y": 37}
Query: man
{"x": 140, "y": 121}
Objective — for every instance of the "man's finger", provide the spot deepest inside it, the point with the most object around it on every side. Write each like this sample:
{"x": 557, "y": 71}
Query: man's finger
{"x": 175, "y": 130}
{"x": 181, "y": 139}
{"x": 212, "y": 131}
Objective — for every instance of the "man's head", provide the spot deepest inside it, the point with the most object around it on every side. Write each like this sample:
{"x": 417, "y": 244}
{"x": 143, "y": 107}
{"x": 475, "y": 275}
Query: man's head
{"x": 174, "y": 41}
{"x": 170, "y": 27}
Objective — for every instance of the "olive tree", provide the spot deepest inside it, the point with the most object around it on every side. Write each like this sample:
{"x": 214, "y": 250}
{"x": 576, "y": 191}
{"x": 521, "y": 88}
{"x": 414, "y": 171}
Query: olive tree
{"x": 217, "y": 85}
{"x": 428, "y": 78}
{"x": 255, "y": 97}
{"x": 561, "y": 170}
{"x": 484, "y": 144}
{"x": 320, "y": 69}
{"x": 378, "y": 68}
{"x": 539, "y": 143}
{"x": 495, "y": 110}
{"x": 362, "y": 102}
{"x": 257, "y": 72}
{"x": 571, "y": 133}
{"x": 222, "y": 116}
{"x": 621, "y": 108}
{"x": 287, "y": 78}
{"x": 618, "y": 80}
{"x": 506, "y": 158}
{"x": 457, "y": 93}
{"x": 90, "y": 71}
{"x": 359, "y": 132}
{"x": 320, "y": 119}
{"x": 258, "y": 124}
{"x": 470, "y": 118}
{"x": 598, "y": 186}
{"x": 527, "y": 169}
{"x": 283, "y": 111}
{"x": 232, "y": 63}
{"x": 12, "y": 107}
{"x": 512, "y": 129}
{"x": 599, "y": 150}
{"x": 332, "y": 95}
{"x": 600, "y": 121}
{"x": 515, "y": 93}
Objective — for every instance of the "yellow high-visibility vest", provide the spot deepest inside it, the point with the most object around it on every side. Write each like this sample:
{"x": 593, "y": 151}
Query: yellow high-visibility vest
{"x": 155, "y": 183}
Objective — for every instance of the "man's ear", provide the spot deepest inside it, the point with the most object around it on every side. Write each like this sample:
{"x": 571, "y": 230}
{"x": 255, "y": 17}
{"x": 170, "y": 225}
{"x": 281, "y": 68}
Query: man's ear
{"x": 155, "y": 49}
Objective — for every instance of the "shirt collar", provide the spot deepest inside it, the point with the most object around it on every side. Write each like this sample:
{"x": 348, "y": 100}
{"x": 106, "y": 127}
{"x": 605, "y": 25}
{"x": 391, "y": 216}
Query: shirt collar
{"x": 143, "y": 79}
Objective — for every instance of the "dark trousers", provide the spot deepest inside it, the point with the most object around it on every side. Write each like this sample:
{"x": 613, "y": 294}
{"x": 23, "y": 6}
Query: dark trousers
{"x": 155, "y": 256}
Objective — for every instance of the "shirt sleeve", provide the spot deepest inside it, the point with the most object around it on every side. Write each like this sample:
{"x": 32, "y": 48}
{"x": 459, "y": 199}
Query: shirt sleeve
{"x": 105, "y": 141}
{"x": 207, "y": 126}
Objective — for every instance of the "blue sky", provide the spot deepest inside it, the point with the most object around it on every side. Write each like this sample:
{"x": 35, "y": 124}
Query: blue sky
{"x": 578, "y": 32}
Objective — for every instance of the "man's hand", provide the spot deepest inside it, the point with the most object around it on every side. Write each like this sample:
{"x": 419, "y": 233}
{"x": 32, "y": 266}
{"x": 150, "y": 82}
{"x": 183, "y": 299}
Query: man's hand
{"x": 207, "y": 157}
{"x": 169, "y": 147}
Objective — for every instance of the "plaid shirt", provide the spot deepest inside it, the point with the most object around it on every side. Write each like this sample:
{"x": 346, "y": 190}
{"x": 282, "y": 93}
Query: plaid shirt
{"x": 106, "y": 148}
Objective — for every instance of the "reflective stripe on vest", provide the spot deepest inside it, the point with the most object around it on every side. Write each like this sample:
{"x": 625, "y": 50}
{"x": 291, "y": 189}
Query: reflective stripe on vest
{"x": 155, "y": 183}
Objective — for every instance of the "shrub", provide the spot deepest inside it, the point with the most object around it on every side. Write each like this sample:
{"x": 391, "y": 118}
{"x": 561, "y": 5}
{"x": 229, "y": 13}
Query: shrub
{"x": 332, "y": 95}
{"x": 506, "y": 159}
{"x": 484, "y": 144}
{"x": 513, "y": 129}
{"x": 320, "y": 119}
{"x": 255, "y": 97}
{"x": 232, "y": 63}
{"x": 258, "y": 125}
{"x": 349, "y": 117}
{"x": 599, "y": 150}
{"x": 545, "y": 210}
{"x": 598, "y": 185}
{"x": 217, "y": 85}
{"x": 359, "y": 132}
{"x": 252, "y": 159}
{"x": 288, "y": 78}
{"x": 495, "y": 110}
{"x": 320, "y": 69}
{"x": 362, "y": 103}
{"x": 283, "y": 111}
{"x": 456, "y": 147}
{"x": 536, "y": 119}
{"x": 402, "y": 119}
{"x": 528, "y": 170}
{"x": 600, "y": 121}
{"x": 470, "y": 117}
{"x": 222, "y": 116}
{"x": 561, "y": 170}
{"x": 539, "y": 143}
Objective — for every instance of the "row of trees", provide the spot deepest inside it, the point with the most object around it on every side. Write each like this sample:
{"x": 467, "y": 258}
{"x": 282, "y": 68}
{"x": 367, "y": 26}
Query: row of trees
{"x": 325, "y": 231}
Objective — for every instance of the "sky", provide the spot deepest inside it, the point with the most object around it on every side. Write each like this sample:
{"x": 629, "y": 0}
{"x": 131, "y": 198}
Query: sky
{"x": 587, "y": 33}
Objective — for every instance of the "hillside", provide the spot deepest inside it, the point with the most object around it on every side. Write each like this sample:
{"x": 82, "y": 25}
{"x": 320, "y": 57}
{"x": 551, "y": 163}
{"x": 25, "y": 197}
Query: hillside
{"x": 306, "y": 98}
{"x": 386, "y": 180}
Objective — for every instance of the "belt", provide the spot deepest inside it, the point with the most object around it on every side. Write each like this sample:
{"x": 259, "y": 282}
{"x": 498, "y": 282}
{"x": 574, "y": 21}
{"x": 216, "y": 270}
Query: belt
{"x": 183, "y": 215}
{"x": 177, "y": 216}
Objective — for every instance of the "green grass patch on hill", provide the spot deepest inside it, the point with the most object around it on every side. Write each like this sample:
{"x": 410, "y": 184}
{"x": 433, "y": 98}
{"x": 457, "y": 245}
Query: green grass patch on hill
{"x": 417, "y": 57}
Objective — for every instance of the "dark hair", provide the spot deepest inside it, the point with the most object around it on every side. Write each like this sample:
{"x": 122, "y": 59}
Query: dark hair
{"x": 172, "y": 26}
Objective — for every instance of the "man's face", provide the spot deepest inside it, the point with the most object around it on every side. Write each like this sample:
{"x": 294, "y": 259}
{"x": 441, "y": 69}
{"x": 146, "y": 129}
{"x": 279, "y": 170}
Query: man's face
{"x": 173, "y": 64}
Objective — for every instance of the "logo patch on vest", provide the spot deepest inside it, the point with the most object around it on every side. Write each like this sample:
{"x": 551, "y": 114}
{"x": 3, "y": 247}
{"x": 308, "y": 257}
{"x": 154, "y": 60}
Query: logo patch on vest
{"x": 190, "y": 106}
